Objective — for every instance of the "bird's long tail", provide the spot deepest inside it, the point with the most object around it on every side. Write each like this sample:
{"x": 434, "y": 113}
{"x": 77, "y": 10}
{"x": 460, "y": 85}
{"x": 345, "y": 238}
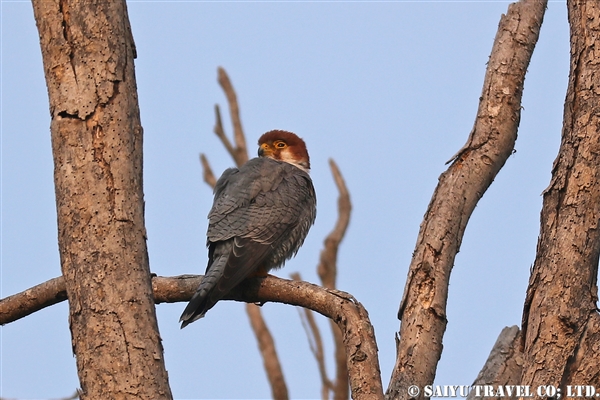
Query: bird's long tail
{"x": 205, "y": 297}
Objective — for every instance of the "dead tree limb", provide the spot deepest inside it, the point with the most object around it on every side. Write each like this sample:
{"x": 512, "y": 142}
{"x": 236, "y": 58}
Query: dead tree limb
{"x": 350, "y": 316}
{"x": 562, "y": 295}
{"x": 31, "y": 300}
{"x": 327, "y": 270}
{"x": 504, "y": 364}
{"x": 207, "y": 172}
{"x": 220, "y": 132}
{"x": 266, "y": 345}
{"x": 345, "y": 310}
{"x": 423, "y": 306}
{"x": 239, "y": 153}
{"x": 315, "y": 343}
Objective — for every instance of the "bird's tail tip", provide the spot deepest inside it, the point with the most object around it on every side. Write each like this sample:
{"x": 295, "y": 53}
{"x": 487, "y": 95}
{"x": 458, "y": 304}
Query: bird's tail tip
{"x": 187, "y": 319}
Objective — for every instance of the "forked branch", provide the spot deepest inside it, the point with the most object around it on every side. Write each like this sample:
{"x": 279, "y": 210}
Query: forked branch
{"x": 239, "y": 153}
{"x": 315, "y": 342}
{"x": 490, "y": 143}
{"x": 327, "y": 270}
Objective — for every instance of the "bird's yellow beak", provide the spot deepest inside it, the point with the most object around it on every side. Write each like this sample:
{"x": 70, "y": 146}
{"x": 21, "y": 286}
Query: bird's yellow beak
{"x": 265, "y": 150}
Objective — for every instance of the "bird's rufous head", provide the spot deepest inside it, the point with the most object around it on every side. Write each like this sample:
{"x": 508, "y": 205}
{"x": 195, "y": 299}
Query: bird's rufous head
{"x": 284, "y": 146}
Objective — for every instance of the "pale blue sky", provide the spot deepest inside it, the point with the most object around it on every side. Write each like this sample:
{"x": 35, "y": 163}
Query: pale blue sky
{"x": 387, "y": 89}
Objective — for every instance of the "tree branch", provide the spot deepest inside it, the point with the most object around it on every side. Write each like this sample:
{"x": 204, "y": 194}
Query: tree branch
{"x": 345, "y": 310}
{"x": 327, "y": 270}
{"x": 220, "y": 132}
{"x": 562, "y": 296}
{"x": 240, "y": 152}
{"x": 315, "y": 343}
{"x": 423, "y": 306}
{"x": 266, "y": 345}
{"x": 504, "y": 364}
{"x": 207, "y": 172}
{"x": 33, "y": 299}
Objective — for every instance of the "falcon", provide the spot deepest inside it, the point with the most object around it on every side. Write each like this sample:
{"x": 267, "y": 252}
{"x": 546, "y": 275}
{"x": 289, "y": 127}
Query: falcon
{"x": 260, "y": 217}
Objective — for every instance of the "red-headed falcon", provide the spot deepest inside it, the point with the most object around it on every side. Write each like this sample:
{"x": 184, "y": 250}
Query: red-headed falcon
{"x": 260, "y": 216}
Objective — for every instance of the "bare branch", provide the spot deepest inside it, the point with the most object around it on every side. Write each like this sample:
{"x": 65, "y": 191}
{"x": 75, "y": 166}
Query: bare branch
{"x": 207, "y": 172}
{"x": 423, "y": 306}
{"x": 240, "y": 156}
{"x": 220, "y": 132}
{"x": 240, "y": 153}
{"x": 266, "y": 345}
{"x": 31, "y": 300}
{"x": 327, "y": 270}
{"x": 350, "y": 315}
{"x": 340, "y": 391}
{"x": 315, "y": 343}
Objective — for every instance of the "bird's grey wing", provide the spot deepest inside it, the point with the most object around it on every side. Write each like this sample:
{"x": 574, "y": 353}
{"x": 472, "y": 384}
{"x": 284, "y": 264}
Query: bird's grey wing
{"x": 286, "y": 213}
{"x": 260, "y": 217}
{"x": 263, "y": 203}
{"x": 234, "y": 254}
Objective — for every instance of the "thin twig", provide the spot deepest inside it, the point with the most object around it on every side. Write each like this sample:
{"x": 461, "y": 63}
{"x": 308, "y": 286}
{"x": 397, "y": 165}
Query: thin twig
{"x": 327, "y": 270}
{"x": 315, "y": 343}
{"x": 240, "y": 153}
{"x": 220, "y": 132}
{"x": 207, "y": 172}
{"x": 266, "y": 345}
{"x": 240, "y": 156}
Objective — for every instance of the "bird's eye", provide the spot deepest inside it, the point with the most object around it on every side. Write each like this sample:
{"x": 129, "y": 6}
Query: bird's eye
{"x": 280, "y": 145}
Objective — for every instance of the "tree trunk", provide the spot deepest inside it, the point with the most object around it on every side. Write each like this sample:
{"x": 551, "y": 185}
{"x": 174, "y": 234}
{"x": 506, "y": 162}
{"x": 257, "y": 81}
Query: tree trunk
{"x": 560, "y": 315}
{"x": 423, "y": 306}
{"x": 88, "y": 53}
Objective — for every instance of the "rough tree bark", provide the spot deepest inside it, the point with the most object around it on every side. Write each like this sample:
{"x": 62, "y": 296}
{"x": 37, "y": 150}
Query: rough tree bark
{"x": 88, "y": 51}
{"x": 423, "y": 306}
{"x": 560, "y": 319}
{"x": 504, "y": 364}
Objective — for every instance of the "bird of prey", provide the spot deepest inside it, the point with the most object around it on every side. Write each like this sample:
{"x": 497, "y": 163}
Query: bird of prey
{"x": 260, "y": 216}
